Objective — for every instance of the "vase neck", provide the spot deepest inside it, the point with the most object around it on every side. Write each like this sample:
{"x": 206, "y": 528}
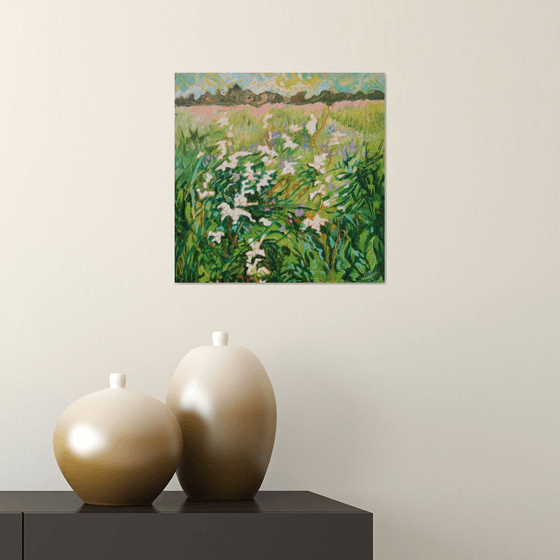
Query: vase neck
{"x": 220, "y": 338}
{"x": 117, "y": 381}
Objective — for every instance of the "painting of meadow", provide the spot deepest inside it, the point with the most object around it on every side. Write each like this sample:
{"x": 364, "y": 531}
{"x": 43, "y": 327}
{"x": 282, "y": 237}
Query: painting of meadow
{"x": 280, "y": 178}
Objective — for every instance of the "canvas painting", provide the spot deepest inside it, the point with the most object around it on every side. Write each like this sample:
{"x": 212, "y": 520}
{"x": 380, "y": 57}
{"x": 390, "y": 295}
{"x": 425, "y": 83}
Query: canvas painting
{"x": 280, "y": 178}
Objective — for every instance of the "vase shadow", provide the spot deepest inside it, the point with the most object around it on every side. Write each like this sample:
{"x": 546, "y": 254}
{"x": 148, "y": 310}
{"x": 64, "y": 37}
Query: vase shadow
{"x": 193, "y": 505}
{"x": 88, "y": 508}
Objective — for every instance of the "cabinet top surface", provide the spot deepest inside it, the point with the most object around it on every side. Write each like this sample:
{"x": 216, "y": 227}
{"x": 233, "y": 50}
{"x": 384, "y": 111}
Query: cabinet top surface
{"x": 176, "y": 502}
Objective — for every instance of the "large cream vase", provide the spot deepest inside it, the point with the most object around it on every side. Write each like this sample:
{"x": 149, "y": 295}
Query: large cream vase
{"x": 225, "y": 405}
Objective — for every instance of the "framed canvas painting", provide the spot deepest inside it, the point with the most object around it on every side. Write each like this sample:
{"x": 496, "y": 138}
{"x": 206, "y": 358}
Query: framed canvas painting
{"x": 280, "y": 178}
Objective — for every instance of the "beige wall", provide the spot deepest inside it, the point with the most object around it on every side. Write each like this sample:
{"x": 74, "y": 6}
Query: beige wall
{"x": 432, "y": 400}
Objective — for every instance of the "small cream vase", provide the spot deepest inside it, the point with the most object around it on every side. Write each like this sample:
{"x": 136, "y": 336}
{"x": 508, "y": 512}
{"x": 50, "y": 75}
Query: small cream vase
{"x": 117, "y": 447}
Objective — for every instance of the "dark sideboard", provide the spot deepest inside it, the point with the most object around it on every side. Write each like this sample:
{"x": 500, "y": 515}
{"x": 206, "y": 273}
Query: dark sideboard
{"x": 273, "y": 526}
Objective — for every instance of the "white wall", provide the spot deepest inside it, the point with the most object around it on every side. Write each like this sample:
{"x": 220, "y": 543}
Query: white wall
{"x": 432, "y": 400}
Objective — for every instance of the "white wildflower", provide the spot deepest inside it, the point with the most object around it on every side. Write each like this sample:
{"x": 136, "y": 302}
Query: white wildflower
{"x": 245, "y": 188}
{"x": 289, "y": 142}
{"x": 319, "y": 163}
{"x": 204, "y": 194}
{"x": 224, "y": 165}
{"x": 321, "y": 190}
{"x": 264, "y": 180}
{"x": 223, "y": 150}
{"x": 267, "y": 150}
{"x": 335, "y": 140}
{"x": 216, "y": 236}
{"x": 255, "y": 249}
{"x": 294, "y": 128}
{"x": 311, "y": 125}
{"x": 341, "y": 208}
{"x": 241, "y": 200}
{"x": 268, "y": 154}
{"x": 265, "y": 222}
{"x": 252, "y": 259}
{"x": 252, "y": 267}
{"x": 234, "y": 214}
{"x": 315, "y": 223}
{"x": 249, "y": 173}
{"x": 289, "y": 168}
{"x": 233, "y": 160}
{"x": 224, "y": 121}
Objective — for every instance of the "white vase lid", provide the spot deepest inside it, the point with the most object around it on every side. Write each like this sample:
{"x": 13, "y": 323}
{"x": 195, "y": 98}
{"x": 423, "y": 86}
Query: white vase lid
{"x": 117, "y": 381}
{"x": 220, "y": 338}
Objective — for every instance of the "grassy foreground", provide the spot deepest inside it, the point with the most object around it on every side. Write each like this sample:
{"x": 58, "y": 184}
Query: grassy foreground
{"x": 280, "y": 193}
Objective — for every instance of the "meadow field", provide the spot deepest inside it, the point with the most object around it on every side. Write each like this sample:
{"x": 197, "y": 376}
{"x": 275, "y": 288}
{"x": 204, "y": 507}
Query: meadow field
{"x": 280, "y": 193}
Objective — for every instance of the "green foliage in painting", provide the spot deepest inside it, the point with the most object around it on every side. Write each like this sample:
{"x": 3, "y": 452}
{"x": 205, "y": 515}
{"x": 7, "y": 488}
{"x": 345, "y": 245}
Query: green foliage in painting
{"x": 280, "y": 193}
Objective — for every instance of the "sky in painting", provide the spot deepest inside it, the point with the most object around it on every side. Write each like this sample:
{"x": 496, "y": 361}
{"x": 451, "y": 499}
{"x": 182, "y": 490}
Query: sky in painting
{"x": 285, "y": 84}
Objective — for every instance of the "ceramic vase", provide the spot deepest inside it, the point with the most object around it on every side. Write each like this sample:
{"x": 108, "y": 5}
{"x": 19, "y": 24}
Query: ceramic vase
{"x": 118, "y": 447}
{"x": 225, "y": 405}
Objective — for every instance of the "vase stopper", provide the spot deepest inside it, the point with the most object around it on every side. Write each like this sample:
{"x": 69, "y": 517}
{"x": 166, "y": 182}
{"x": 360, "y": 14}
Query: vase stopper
{"x": 117, "y": 380}
{"x": 220, "y": 338}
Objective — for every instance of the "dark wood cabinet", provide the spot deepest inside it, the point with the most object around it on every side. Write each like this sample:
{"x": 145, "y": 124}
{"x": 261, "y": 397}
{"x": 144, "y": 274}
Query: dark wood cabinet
{"x": 11, "y": 538}
{"x": 273, "y": 526}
